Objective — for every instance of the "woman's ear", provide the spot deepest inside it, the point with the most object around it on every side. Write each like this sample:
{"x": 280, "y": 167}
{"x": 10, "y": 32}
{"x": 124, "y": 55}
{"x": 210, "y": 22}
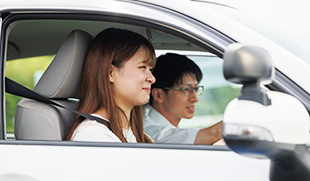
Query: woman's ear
{"x": 157, "y": 95}
{"x": 112, "y": 74}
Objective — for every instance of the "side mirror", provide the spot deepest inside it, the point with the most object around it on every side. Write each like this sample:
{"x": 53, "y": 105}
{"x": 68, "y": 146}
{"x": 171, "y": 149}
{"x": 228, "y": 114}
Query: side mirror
{"x": 261, "y": 123}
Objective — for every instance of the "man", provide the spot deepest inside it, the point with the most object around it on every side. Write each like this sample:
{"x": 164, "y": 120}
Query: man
{"x": 174, "y": 96}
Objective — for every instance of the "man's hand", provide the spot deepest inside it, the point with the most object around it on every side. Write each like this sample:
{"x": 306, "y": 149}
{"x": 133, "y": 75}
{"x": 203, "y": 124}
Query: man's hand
{"x": 210, "y": 135}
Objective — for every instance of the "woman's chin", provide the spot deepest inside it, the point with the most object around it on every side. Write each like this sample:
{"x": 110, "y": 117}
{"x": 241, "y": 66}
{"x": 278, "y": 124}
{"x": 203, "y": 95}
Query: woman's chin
{"x": 142, "y": 102}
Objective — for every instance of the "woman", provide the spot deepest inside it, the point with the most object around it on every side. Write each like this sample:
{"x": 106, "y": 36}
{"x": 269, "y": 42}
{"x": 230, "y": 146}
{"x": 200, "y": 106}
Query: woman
{"x": 117, "y": 80}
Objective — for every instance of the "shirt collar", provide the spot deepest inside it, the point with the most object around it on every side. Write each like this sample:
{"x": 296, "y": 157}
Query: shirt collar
{"x": 158, "y": 118}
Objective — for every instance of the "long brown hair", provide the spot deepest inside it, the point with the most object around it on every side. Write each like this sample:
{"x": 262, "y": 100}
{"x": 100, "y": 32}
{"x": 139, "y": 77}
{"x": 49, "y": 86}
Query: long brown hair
{"x": 111, "y": 47}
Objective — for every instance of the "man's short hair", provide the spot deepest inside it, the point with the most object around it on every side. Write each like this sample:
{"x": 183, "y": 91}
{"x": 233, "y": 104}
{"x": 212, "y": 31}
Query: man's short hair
{"x": 171, "y": 68}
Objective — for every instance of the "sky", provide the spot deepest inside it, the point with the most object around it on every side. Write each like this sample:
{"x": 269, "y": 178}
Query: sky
{"x": 296, "y": 13}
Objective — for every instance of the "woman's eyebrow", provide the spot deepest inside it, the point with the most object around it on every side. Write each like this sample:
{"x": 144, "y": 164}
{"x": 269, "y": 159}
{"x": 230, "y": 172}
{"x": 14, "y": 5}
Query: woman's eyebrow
{"x": 145, "y": 61}
{"x": 142, "y": 62}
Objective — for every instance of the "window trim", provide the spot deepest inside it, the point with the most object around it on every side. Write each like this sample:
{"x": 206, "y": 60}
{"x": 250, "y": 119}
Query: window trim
{"x": 116, "y": 145}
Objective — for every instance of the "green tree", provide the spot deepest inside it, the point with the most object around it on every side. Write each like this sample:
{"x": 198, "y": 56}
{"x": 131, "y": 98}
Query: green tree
{"x": 215, "y": 100}
{"x": 22, "y": 71}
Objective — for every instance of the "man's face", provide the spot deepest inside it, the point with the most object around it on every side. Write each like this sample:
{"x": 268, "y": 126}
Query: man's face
{"x": 176, "y": 104}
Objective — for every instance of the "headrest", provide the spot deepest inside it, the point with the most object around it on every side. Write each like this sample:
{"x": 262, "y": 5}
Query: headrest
{"x": 63, "y": 77}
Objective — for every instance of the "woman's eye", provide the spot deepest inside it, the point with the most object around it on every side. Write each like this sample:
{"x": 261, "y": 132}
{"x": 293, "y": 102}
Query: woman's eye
{"x": 146, "y": 67}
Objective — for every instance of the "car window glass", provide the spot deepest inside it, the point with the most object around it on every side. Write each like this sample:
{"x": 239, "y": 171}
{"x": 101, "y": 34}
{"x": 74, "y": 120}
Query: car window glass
{"x": 27, "y": 71}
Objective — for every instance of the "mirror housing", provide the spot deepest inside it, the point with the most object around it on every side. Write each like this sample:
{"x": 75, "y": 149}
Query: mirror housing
{"x": 247, "y": 64}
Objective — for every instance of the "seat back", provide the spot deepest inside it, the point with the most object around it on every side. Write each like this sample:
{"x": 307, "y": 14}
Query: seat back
{"x": 61, "y": 82}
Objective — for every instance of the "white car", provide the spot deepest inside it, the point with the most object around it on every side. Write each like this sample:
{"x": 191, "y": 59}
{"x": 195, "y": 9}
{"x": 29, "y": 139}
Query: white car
{"x": 36, "y": 33}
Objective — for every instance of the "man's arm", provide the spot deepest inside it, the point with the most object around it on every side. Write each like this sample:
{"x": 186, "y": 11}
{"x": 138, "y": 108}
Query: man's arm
{"x": 210, "y": 135}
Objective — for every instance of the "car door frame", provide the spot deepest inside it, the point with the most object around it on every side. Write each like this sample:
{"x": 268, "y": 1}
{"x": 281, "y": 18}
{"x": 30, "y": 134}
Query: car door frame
{"x": 198, "y": 32}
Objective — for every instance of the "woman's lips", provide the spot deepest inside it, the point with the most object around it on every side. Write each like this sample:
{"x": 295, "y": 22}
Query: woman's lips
{"x": 147, "y": 89}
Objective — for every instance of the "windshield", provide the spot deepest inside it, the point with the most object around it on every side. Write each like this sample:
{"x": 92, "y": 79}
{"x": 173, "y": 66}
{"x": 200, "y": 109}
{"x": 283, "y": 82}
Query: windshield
{"x": 288, "y": 37}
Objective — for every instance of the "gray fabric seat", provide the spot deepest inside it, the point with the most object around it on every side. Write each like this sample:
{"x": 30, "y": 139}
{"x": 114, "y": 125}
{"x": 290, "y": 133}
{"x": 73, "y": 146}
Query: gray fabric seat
{"x": 62, "y": 80}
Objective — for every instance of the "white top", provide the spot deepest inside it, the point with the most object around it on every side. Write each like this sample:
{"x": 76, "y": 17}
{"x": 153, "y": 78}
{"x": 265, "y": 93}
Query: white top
{"x": 90, "y": 130}
{"x": 162, "y": 131}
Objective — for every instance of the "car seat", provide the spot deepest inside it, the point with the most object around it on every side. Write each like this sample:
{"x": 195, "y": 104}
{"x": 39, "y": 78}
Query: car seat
{"x": 61, "y": 82}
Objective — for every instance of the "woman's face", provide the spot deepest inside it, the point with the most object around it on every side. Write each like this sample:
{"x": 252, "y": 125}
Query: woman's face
{"x": 131, "y": 83}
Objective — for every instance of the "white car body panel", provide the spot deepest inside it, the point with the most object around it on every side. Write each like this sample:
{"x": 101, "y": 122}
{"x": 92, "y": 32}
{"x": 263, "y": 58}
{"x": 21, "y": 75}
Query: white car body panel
{"x": 100, "y": 163}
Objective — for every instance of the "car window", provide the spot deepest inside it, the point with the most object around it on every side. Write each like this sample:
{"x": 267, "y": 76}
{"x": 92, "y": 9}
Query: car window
{"x": 25, "y": 65}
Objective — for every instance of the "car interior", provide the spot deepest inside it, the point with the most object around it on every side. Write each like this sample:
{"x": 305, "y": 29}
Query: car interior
{"x": 66, "y": 41}
{"x": 60, "y": 81}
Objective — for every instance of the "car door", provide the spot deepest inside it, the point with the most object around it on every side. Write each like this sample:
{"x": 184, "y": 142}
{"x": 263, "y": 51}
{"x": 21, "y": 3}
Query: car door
{"x": 66, "y": 160}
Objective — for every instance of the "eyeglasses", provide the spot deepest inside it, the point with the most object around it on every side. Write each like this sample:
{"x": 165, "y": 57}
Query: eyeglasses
{"x": 187, "y": 90}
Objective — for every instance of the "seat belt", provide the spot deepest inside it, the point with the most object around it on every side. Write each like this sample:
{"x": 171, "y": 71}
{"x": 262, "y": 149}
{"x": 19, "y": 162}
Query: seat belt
{"x": 15, "y": 88}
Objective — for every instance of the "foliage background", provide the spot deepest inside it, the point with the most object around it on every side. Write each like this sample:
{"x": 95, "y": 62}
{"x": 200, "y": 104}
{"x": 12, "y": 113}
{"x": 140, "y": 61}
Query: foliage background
{"x": 22, "y": 71}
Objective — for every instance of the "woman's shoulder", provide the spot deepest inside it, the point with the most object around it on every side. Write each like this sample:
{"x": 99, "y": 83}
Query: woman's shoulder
{"x": 91, "y": 123}
{"x": 90, "y": 130}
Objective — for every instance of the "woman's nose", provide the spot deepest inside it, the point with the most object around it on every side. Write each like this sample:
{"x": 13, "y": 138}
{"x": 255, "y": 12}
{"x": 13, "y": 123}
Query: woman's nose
{"x": 151, "y": 78}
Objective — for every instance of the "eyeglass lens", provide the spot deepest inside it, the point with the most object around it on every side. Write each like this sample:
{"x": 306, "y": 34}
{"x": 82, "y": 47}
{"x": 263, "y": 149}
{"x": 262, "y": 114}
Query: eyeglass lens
{"x": 188, "y": 90}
